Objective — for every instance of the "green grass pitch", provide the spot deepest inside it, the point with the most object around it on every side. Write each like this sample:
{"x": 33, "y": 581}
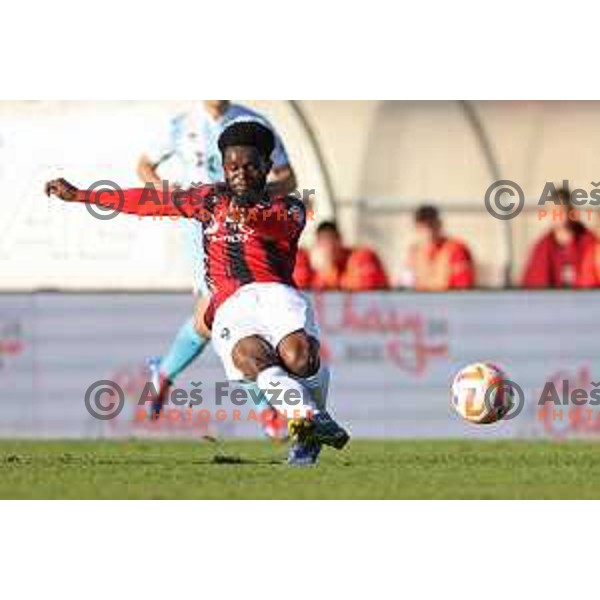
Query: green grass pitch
{"x": 238, "y": 470}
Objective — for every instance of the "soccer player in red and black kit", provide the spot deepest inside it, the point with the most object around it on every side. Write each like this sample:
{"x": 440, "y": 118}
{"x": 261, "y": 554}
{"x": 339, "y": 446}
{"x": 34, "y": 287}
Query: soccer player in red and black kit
{"x": 262, "y": 327}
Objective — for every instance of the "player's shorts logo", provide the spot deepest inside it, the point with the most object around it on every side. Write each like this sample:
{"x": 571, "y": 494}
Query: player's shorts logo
{"x": 225, "y": 334}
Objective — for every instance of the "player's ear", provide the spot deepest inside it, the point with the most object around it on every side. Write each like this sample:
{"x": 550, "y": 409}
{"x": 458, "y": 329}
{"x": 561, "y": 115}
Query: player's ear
{"x": 268, "y": 165}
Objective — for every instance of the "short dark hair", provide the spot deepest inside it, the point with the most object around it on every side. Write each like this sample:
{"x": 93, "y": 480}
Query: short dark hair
{"x": 248, "y": 133}
{"x": 564, "y": 195}
{"x": 328, "y": 227}
{"x": 427, "y": 214}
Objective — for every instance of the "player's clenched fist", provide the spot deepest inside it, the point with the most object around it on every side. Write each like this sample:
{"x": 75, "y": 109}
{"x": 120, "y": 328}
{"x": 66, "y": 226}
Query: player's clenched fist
{"x": 62, "y": 189}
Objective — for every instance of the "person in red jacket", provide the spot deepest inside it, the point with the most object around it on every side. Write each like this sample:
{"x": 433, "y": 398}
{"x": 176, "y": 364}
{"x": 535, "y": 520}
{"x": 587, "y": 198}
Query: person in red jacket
{"x": 438, "y": 262}
{"x": 557, "y": 258}
{"x": 303, "y": 271}
{"x": 337, "y": 267}
{"x": 589, "y": 274}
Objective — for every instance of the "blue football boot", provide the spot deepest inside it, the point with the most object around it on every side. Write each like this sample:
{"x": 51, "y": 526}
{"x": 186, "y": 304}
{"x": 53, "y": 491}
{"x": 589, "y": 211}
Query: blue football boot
{"x": 326, "y": 431}
{"x": 305, "y": 449}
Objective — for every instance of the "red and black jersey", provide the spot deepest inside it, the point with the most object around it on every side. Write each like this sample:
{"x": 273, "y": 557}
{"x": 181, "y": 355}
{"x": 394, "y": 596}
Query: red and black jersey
{"x": 241, "y": 245}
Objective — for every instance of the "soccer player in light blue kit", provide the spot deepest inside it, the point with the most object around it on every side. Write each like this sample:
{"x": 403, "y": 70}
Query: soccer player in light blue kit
{"x": 189, "y": 151}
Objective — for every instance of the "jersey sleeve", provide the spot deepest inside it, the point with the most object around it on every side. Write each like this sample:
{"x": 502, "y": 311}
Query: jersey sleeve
{"x": 150, "y": 202}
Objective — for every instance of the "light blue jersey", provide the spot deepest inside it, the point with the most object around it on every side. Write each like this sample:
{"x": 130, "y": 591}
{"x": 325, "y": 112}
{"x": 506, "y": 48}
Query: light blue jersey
{"x": 189, "y": 154}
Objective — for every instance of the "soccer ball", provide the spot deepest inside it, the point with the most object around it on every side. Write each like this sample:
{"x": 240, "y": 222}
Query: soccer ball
{"x": 470, "y": 388}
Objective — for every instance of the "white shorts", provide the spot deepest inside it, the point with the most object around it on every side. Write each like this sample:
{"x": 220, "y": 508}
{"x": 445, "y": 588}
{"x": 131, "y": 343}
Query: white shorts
{"x": 270, "y": 310}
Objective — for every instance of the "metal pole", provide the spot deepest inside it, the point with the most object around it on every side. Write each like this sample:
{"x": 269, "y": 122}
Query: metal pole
{"x": 314, "y": 142}
{"x": 494, "y": 168}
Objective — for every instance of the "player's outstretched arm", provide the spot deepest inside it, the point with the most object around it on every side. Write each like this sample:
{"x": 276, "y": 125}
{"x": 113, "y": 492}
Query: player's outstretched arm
{"x": 147, "y": 201}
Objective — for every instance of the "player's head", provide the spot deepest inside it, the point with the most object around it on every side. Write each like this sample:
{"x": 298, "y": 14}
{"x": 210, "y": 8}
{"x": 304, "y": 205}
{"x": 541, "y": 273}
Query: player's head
{"x": 428, "y": 223}
{"x": 246, "y": 148}
{"x": 329, "y": 240}
{"x": 562, "y": 198}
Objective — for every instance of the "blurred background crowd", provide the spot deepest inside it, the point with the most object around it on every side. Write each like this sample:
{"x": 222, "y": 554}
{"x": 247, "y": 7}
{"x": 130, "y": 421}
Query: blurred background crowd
{"x": 397, "y": 190}
{"x": 565, "y": 256}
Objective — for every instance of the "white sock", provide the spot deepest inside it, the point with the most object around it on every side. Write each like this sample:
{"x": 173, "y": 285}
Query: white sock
{"x": 318, "y": 384}
{"x": 287, "y": 395}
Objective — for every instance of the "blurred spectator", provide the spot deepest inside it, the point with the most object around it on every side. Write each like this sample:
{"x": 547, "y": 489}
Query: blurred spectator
{"x": 303, "y": 273}
{"x": 437, "y": 262}
{"x": 337, "y": 267}
{"x": 557, "y": 259}
{"x": 589, "y": 276}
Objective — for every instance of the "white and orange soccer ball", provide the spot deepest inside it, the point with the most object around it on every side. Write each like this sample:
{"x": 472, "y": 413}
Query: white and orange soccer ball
{"x": 478, "y": 394}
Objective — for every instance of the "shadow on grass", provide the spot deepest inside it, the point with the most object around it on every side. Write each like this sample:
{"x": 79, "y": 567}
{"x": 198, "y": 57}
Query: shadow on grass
{"x": 222, "y": 459}
{"x": 66, "y": 459}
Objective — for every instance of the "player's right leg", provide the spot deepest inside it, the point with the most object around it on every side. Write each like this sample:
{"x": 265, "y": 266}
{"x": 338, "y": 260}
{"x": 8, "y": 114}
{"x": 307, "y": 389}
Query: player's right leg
{"x": 299, "y": 354}
{"x": 288, "y": 323}
{"x": 282, "y": 373}
{"x": 256, "y": 359}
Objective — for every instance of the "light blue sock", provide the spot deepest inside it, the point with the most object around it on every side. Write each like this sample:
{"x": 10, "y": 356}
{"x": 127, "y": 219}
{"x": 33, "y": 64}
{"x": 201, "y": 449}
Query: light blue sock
{"x": 253, "y": 391}
{"x": 188, "y": 345}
